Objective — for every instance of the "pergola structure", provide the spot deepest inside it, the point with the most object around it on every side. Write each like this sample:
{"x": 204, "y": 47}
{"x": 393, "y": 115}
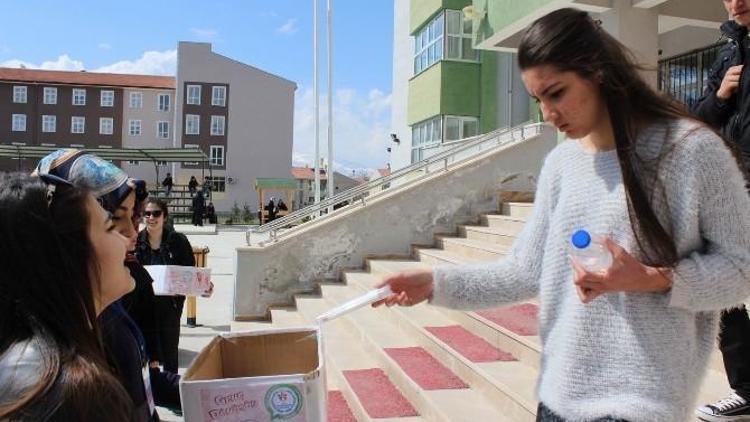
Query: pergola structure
{"x": 263, "y": 185}
{"x": 154, "y": 155}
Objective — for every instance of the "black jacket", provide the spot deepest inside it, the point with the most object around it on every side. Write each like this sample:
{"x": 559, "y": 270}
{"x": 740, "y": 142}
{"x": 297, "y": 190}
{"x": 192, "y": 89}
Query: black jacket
{"x": 731, "y": 117}
{"x": 175, "y": 249}
{"x": 140, "y": 306}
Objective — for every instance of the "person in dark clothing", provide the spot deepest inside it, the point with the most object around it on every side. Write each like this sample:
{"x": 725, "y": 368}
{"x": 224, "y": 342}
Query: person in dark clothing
{"x": 211, "y": 213}
{"x": 725, "y": 105}
{"x": 193, "y": 185}
{"x": 159, "y": 244}
{"x": 282, "y": 206}
{"x": 271, "y": 209}
{"x": 207, "y": 186}
{"x": 199, "y": 208}
{"x": 168, "y": 184}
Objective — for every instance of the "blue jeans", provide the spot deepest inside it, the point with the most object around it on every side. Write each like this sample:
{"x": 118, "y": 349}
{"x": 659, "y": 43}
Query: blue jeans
{"x": 543, "y": 414}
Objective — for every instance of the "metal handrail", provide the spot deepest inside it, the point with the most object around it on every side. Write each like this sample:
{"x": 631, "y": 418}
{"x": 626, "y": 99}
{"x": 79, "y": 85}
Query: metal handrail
{"x": 361, "y": 192}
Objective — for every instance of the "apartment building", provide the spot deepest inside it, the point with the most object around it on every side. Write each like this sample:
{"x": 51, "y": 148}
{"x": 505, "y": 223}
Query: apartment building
{"x": 241, "y": 117}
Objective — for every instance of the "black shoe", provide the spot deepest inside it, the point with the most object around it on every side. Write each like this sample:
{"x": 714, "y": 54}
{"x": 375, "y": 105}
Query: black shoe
{"x": 730, "y": 408}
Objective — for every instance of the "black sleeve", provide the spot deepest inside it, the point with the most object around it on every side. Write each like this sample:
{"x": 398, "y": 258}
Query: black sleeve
{"x": 165, "y": 387}
{"x": 181, "y": 250}
{"x": 140, "y": 306}
{"x": 709, "y": 108}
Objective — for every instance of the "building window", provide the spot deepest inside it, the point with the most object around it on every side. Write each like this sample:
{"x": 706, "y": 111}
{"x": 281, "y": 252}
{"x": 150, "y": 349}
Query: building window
{"x": 136, "y": 100}
{"x": 447, "y": 36}
{"x": 77, "y": 124}
{"x": 217, "y": 155}
{"x": 428, "y": 44}
{"x": 134, "y": 127}
{"x": 192, "y": 124}
{"x": 79, "y": 97}
{"x": 77, "y": 146}
{"x": 106, "y": 125}
{"x": 217, "y": 125}
{"x": 424, "y": 135}
{"x": 219, "y": 96}
{"x": 19, "y": 94}
{"x": 161, "y": 163}
{"x": 162, "y": 130}
{"x": 134, "y": 162}
{"x": 190, "y": 146}
{"x": 50, "y": 95}
{"x": 49, "y": 124}
{"x": 194, "y": 94}
{"x": 19, "y": 123}
{"x": 107, "y": 98}
{"x": 164, "y": 100}
{"x": 458, "y": 42}
{"x": 460, "y": 127}
{"x": 45, "y": 144}
{"x": 218, "y": 183}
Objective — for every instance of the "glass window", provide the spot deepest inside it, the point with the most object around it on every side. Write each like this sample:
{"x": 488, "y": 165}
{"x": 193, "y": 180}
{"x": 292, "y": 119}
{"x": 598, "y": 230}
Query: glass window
{"x": 49, "y": 124}
{"x": 50, "y": 95}
{"x": 459, "y": 43}
{"x": 218, "y": 183}
{"x": 19, "y": 94}
{"x": 136, "y": 100}
{"x": 428, "y": 44}
{"x": 106, "y": 125}
{"x": 452, "y": 129}
{"x": 77, "y": 124}
{"x": 193, "y": 94}
{"x": 219, "y": 96}
{"x": 19, "y": 123}
{"x": 134, "y": 127}
{"x": 107, "y": 98}
{"x": 164, "y": 100}
{"x": 217, "y": 155}
{"x": 217, "y": 125}
{"x": 192, "y": 124}
{"x": 162, "y": 130}
{"x": 79, "y": 97}
{"x": 460, "y": 127}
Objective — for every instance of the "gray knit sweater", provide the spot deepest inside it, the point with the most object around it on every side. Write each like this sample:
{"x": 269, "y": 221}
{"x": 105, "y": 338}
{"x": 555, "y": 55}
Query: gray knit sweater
{"x": 639, "y": 357}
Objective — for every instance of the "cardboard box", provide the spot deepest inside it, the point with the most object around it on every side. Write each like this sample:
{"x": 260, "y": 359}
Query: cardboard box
{"x": 260, "y": 375}
{"x": 170, "y": 280}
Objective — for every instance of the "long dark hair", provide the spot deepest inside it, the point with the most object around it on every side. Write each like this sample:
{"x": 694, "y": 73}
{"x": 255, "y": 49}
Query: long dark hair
{"x": 569, "y": 40}
{"x": 47, "y": 293}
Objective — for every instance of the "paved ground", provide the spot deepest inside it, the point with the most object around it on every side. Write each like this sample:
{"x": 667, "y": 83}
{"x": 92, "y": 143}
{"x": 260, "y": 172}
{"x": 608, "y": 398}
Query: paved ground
{"x": 215, "y": 313}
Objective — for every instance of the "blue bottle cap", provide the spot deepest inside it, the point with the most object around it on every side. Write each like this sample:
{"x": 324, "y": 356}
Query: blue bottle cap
{"x": 581, "y": 239}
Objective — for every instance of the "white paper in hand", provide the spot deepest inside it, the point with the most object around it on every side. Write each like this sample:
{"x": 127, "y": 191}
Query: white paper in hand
{"x": 356, "y": 303}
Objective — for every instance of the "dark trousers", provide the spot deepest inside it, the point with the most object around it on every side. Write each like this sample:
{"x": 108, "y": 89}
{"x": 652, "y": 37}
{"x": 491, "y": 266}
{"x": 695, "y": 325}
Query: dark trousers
{"x": 734, "y": 343}
{"x": 168, "y": 313}
{"x": 544, "y": 414}
{"x": 197, "y": 219}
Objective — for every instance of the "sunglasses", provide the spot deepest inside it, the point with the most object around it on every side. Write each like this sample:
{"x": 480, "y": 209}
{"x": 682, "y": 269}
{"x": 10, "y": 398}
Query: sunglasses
{"x": 155, "y": 213}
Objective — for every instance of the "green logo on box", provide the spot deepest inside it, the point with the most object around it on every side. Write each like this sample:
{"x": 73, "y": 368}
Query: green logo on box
{"x": 283, "y": 401}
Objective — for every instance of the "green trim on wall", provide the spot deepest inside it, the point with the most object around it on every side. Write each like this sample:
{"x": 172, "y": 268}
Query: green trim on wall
{"x": 488, "y": 92}
{"x": 460, "y": 93}
{"x": 422, "y": 11}
{"x": 501, "y": 13}
{"x": 424, "y": 95}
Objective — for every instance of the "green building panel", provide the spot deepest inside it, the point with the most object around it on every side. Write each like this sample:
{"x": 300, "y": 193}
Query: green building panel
{"x": 424, "y": 95}
{"x": 488, "y": 92}
{"x": 500, "y": 14}
{"x": 460, "y": 91}
{"x": 423, "y": 10}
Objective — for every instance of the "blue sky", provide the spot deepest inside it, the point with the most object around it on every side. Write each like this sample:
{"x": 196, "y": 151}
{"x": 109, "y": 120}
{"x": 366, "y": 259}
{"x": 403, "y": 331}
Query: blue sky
{"x": 141, "y": 36}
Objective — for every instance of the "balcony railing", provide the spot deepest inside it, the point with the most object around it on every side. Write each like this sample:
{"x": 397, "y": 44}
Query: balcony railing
{"x": 684, "y": 76}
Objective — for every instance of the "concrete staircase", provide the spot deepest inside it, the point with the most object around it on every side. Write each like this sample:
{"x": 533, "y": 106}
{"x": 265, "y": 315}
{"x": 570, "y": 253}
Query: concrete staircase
{"x": 430, "y": 363}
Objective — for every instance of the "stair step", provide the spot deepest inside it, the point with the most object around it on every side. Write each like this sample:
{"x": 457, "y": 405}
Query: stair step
{"x": 471, "y": 346}
{"x": 380, "y": 398}
{"x": 521, "y": 319}
{"x": 517, "y": 209}
{"x": 434, "y": 256}
{"x": 424, "y": 369}
{"x": 338, "y": 408}
{"x": 486, "y": 234}
{"x": 472, "y": 249}
{"x": 511, "y": 225}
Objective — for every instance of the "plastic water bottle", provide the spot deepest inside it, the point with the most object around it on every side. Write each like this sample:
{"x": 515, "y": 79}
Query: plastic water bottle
{"x": 592, "y": 256}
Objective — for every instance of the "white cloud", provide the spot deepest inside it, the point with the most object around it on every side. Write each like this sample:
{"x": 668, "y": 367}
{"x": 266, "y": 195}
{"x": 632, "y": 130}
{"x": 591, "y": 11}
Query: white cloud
{"x": 104, "y": 46}
{"x": 289, "y": 27}
{"x": 150, "y": 63}
{"x": 268, "y": 14}
{"x": 63, "y": 62}
{"x": 205, "y": 33}
{"x": 361, "y": 128}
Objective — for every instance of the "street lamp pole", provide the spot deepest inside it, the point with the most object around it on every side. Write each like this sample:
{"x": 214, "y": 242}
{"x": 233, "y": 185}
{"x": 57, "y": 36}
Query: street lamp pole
{"x": 317, "y": 102}
{"x": 331, "y": 190}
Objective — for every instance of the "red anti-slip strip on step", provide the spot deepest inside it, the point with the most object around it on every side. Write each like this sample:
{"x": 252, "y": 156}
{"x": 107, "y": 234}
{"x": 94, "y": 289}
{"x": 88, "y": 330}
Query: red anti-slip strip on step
{"x": 521, "y": 319}
{"x": 424, "y": 369}
{"x": 338, "y": 408}
{"x": 471, "y": 346}
{"x": 376, "y": 393}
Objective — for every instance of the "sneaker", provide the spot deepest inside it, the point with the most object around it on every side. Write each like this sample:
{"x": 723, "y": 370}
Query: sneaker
{"x": 730, "y": 408}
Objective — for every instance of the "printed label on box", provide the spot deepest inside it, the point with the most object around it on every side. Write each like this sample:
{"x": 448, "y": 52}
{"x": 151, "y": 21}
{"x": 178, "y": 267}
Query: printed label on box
{"x": 253, "y": 403}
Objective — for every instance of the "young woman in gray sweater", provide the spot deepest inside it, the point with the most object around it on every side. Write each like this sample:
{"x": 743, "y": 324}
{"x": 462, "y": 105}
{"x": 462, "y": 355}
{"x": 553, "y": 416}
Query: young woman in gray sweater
{"x": 668, "y": 199}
